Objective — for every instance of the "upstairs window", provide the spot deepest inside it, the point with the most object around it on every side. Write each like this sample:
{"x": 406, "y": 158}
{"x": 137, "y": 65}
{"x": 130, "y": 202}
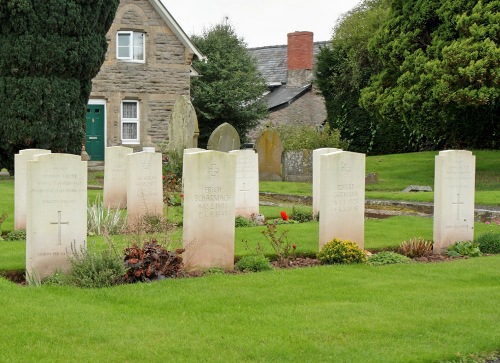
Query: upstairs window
{"x": 130, "y": 122}
{"x": 130, "y": 46}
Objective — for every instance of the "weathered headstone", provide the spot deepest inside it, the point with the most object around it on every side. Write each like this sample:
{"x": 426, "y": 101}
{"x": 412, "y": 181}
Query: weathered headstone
{"x": 317, "y": 175}
{"x": 57, "y": 212}
{"x": 454, "y": 186}
{"x": 269, "y": 148}
{"x": 247, "y": 182}
{"x": 144, "y": 186}
{"x": 342, "y": 200}
{"x": 20, "y": 182}
{"x": 115, "y": 175}
{"x": 224, "y": 138}
{"x": 298, "y": 166}
{"x": 209, "y": 205}
{"x": 183, "y": 128}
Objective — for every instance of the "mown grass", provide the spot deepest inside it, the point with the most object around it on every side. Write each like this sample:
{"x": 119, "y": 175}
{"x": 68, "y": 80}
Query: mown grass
{"x": 396, "y": 313}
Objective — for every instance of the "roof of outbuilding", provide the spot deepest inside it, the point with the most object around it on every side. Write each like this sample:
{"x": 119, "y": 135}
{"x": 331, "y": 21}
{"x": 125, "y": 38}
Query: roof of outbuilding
{"x": 272, "y": 61}
{"x": 284, "y": 95}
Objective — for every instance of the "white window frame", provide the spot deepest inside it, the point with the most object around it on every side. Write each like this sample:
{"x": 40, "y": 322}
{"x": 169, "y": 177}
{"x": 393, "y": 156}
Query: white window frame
{"x": 135, "y": 121}
{"x": 131, "y": 47}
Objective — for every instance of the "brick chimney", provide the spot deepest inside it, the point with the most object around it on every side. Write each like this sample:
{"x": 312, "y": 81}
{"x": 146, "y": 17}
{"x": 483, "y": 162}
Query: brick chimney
{"x": 300, "y": 58}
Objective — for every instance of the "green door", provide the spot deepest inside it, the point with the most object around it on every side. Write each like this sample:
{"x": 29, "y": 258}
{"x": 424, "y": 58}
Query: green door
{"x": 95, "y": 132}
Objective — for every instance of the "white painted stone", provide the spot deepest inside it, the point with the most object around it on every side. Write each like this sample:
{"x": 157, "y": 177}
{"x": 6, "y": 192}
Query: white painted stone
{"x": 188, "y": 151}
{"x": 247, "y": 182}
{"x": 115, "y": 176}
{"x": 20, "y": 182}
{"x": 342, "y": 200}
{"x": 454, "y": 186}
{"x": 57, "y": 211}
{"x": 317, "y": 175}
{"x": 209, "y": 206}
{"x": 144, "y": 186}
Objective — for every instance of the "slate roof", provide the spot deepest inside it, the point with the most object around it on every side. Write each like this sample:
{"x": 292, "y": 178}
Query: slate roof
{"x": 272, "y": 62}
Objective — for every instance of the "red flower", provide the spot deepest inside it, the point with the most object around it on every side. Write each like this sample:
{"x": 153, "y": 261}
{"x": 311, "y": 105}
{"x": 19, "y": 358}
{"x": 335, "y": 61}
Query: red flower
{"x": 181, "y": 195}
{"x": 294, "y": 246}
{"x": 163, "y": 176}
{"x": 284, "y": 216}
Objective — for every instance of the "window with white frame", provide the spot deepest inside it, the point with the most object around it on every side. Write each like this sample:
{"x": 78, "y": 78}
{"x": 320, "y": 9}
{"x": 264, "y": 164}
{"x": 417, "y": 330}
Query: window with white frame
{"x": 130, "y": 122}
{"x": 130, "y": 46}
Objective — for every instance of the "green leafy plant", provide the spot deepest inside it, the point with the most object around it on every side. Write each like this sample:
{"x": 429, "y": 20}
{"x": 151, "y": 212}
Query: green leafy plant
{"x": 95, "y": 268}
{"x": 241, "y": 221}
{"x": 489, "y": 242}
{"x": 416, "y": 247}
{"x": 16, "y": 235}
{"x": 301, "y": 215}
{"x": 3, "y": 217}
{"x": 387, "y": 258}
{"x": 463, "y": 248}
{"x": 339, "y": 251}
{"x": 102, "y": 220}
{"x": 279, "y": 243}
{"x": 215, "y": 271}
{"x": 172, "y": 175}
{"x": 306, "y": 137}
{"x": 152, "y": 262}
{"x": 253, "y": 264}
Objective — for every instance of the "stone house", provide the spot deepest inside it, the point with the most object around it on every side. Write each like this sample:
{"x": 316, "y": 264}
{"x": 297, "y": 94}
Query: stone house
{"x": 289, "y": 74}
{"x": 147, "y": 68}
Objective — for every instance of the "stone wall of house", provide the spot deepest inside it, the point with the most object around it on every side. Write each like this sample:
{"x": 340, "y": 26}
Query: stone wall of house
{"x": 156, "y": 84}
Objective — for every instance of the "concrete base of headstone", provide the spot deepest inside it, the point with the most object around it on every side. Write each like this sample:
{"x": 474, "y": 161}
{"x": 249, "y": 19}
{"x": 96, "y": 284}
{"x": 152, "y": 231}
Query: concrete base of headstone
{"x": 342, "y": 201}
{"x": 209, "y": 206}
{"x": 57, "y": 212}
{"x": 454, "y": 186}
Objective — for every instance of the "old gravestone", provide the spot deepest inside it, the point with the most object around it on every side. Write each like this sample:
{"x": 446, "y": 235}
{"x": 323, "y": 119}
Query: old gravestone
{"x": 269, "y": 149}
{"x": 297, "y": 165}
{"x": 342, "y": 201}
{"x": 144, "y": 186}
{"x": 57, "y": 212}
{"x": 247, "y": 183}
{"x": 209, "y": 206}
{"x": 115, "y": 175}
{"x": 224, "y": 138}
{"x": 183, "y": 128}
{"x": 454, "y": 185}
{"x": 317, "y": 176}
{"x": 20, "y": 181}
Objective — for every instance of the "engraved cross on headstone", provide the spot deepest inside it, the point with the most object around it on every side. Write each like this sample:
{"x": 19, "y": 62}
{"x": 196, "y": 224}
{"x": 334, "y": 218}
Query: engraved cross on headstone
{"x": 59, "y": 223}
{"x": 214, "y": 170}
{"x": 245, "y": 190}
{"x": 458, "y": 203}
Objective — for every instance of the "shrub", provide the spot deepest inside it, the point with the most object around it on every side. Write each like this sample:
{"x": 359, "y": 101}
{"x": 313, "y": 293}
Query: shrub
{"x": 102, "y": 268}
{"x": 463, "y": 248}
{"x": 102, "y": 220}
{"x": 342, "y": 252}
{"x": 152, "y": 262}
{"x": 253, "y": 263}
{"x": 305, "y": 137}
{"x": 489, "y": 242}
{"x": 244, "y": 222}
{"x": 387, "y": 258}
{"x": 279, "y": 243}
{"x": 301, "y": 215}
{"x": 17, "y": 235}
{"x": 416, "y": 247}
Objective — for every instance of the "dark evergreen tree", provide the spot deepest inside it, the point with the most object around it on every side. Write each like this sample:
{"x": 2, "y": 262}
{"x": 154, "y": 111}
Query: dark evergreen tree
{"x": 230, "y": 87}
{"x": 49, "y": 52}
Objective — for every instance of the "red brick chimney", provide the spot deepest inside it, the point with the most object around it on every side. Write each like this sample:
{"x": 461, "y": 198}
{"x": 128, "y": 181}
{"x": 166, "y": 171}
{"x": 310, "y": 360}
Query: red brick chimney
{"x": 300, "y": 58}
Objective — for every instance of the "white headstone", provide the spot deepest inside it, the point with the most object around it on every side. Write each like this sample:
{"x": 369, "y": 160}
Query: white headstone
{"x": 20, "y": 171}
{"x": 454, "y": 185}
{"x": 115, "y": 176}
{"x": 209, "y": 202}
{"x": 247, "y": 182}
{"x": 317, "y": 176}
{"x": 342, "y": 200}
{"x": 144, "y": 185}
{"x": 57, "y": 211}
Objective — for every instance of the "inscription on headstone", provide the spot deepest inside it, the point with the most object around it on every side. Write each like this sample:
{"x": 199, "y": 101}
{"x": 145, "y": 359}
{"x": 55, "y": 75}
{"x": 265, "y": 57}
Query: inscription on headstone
{"x": 57, "y": 211}
{"x": 115, "y": 176}
{"x": 454, "y": 186}
{"x": 209, "y": 209}
{"x": 342, "y": 199}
